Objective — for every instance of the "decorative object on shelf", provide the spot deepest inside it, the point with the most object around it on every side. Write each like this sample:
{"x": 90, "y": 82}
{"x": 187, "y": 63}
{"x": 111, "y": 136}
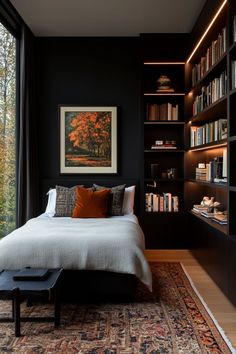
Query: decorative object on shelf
{"x": 164, "y": 84}
{"x": 210, "y": 204}
{"x": 164, "y": 144}
{"x": 172, "y": 173}
{"x": 88, "y": 140}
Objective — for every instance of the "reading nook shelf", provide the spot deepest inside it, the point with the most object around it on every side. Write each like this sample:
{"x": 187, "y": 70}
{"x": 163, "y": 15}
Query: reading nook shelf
{"x": 209, "y": 184}
{"x": 213, "y": 145}
{"x": 221, "y": 228}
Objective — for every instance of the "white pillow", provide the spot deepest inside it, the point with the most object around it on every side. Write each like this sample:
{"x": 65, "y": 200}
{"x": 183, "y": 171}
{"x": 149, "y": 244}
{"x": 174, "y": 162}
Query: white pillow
{"x": 51, "y": 206}
{"x": 128, "y": 202}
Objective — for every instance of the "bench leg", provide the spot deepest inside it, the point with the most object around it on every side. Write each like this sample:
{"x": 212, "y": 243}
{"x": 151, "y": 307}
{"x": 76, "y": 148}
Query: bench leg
{"x": 16, "y": 311}
{"x": 57, "y": 309}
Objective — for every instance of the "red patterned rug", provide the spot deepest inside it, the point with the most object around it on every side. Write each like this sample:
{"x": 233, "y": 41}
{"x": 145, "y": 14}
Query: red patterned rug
{"x": 171, "y": 320}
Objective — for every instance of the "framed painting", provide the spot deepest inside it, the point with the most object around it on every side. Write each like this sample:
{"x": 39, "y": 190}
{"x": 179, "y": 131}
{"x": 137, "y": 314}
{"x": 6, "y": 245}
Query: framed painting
{"x": 88, "y": 140}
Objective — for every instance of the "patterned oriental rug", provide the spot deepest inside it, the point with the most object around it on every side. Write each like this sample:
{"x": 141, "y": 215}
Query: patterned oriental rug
{"x": 170, "y": 320}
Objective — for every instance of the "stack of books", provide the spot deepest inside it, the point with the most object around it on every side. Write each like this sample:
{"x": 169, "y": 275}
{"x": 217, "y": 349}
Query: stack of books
{"x": 214, "y": 171}
{"x": 165, "y": 111}
{"x": 198, "y": 208}
{"x": 161, "y": 203}
{"x": 164, "y": 144}
{"x": 208, "y": 133}
{"x": 220, "y": 219}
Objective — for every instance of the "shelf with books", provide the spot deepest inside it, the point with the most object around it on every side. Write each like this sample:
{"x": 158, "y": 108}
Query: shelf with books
{"x": 215, "y": 70}
{"x": 163, "y": 150}
{"x": 215, "y": 225}
{"x": 213, "y": 145}
{"x": 209, "y": 184}
{"x": 216, "y": 109}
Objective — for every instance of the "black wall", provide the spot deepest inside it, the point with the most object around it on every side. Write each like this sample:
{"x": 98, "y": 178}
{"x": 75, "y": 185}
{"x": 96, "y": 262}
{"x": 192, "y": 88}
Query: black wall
{"x": 89, "y": 72}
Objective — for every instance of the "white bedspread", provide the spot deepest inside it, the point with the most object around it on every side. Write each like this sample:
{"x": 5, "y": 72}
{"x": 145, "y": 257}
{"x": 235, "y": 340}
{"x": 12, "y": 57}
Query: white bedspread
{"x": 114, "y": 244}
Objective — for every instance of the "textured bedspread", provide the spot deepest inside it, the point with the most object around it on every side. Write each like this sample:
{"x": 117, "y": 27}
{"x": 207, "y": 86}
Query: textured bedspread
{"x": 112, "y": 244}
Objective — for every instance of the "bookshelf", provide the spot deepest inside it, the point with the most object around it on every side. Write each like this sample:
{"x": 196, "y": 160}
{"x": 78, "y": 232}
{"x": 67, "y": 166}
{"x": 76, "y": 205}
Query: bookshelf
{"x": 207, "y": 120}
{"x": 163, "y": 123}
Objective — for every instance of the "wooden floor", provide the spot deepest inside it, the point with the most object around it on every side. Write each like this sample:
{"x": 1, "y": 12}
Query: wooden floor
{"x": 222, "y": 309}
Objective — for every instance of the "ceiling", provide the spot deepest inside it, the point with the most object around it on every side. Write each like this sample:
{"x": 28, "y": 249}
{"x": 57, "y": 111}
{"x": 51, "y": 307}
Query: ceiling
{"x": 108, "y": 17}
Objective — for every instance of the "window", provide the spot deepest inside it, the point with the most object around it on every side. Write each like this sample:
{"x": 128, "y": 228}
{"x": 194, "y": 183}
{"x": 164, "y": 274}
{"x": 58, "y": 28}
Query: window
{"x": 7, "y": 131}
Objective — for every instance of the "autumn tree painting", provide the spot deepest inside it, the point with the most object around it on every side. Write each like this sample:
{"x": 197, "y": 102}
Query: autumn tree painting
{"x": 7, "y": 131}
{"x": 88, "y": 138}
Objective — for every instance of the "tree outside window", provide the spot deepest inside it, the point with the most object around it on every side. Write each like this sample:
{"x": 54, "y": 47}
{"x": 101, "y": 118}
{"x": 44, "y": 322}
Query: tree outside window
{"x": 7, "y": 131}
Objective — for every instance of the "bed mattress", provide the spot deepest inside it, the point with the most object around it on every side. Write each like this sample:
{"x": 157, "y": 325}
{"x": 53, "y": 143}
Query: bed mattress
{"x": 114, "y": 244}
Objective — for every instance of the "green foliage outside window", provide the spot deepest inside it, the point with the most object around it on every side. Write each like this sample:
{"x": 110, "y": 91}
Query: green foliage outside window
{"x": 7, "y": 131}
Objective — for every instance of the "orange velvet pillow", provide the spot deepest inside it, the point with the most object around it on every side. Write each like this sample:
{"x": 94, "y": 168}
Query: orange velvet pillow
{"x": 90, "y": 204}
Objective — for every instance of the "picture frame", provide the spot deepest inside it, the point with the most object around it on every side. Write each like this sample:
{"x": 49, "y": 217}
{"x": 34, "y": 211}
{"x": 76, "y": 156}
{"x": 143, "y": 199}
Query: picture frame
{"x": 88, "y": 140}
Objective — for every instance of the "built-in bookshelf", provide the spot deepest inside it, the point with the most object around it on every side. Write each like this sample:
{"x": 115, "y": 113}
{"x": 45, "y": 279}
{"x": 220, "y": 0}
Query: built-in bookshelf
{"x": 208, "y": 117}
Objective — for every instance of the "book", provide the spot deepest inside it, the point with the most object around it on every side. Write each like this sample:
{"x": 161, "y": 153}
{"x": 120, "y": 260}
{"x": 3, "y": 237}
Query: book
{"x": 31, "y": 274}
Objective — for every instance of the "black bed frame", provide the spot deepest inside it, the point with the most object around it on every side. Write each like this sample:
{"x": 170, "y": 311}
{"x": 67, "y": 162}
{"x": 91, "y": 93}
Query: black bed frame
{"x": 94, "y": 285}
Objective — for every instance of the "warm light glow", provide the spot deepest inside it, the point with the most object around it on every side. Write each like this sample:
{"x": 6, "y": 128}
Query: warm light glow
{"x": 207, "y": 30}
{"x": 190, "y": 122}
{"x": 190, "y": 93}
{"x": 207, "y": 147}
{"x": 164, "y": 94}
{"x": 164, "y": 63}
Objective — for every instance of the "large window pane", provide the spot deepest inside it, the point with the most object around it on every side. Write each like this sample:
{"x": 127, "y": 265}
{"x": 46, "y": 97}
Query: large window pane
{"x": 7, "y": 131}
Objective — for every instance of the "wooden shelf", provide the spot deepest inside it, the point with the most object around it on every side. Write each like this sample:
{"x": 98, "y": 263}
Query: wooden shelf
{"x": 163, "y": 150}
{"x": 162, "y": 122}
{"x": 232, "y": 47}
{"x": 216, "y": 110}
{"x": 221, "y": 62}
{"x": 164, "y": 94}
{"x": 213, "y": 224}
{"x": 164, "y": 180}
{"x": 213, "y": 145}
{"x": 232, "y": 92}
{"x": 209, "y": 184}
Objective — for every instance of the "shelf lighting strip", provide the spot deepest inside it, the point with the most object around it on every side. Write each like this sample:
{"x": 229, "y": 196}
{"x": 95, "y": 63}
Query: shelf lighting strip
{"x": 208, "y": 147}
{"x": 207, "y": 30}
{"x": 164, "y": 63}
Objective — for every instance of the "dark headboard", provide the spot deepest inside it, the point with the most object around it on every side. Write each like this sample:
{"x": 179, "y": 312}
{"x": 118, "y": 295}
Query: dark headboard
{"x": 69, "y": 182}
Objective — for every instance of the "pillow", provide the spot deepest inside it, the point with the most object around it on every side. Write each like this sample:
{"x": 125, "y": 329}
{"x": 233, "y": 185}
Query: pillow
{"x": 51, "y": 205}
{"x": 91, "y": 204}
{"x": 65, "y": 201}
{"x": 115, "y": 200}
{"x": 128, "y": 203}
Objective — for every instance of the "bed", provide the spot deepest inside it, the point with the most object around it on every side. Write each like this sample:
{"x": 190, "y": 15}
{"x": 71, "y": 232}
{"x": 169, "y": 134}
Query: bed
{"x": 104, "y": 255}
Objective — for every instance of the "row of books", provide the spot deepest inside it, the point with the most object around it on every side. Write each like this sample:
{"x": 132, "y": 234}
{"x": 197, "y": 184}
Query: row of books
{"x": 219, "y": 217}
{"x": 211, "y": 93}
{"x": 165, "y": 111}
{"x": 233, "y": 74}
{"x": 213, "y": 54}
{"x": 161, "y": 203}
{"x": 208, "y": 133}
{"x": 214, "y": 171}
{"x": 234, "y": 29}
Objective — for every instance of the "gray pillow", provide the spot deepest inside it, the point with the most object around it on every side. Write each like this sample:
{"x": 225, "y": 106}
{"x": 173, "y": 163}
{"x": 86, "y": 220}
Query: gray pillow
{"x": 116, "y": 199}
{"x": 65, "y": 200}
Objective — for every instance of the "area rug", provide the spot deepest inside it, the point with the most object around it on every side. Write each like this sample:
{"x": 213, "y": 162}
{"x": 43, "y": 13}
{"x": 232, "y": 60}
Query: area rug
{"x": 171, "y": 320}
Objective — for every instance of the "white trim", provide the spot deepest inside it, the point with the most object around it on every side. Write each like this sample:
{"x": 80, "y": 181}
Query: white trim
{"x": 233, "y": 350}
